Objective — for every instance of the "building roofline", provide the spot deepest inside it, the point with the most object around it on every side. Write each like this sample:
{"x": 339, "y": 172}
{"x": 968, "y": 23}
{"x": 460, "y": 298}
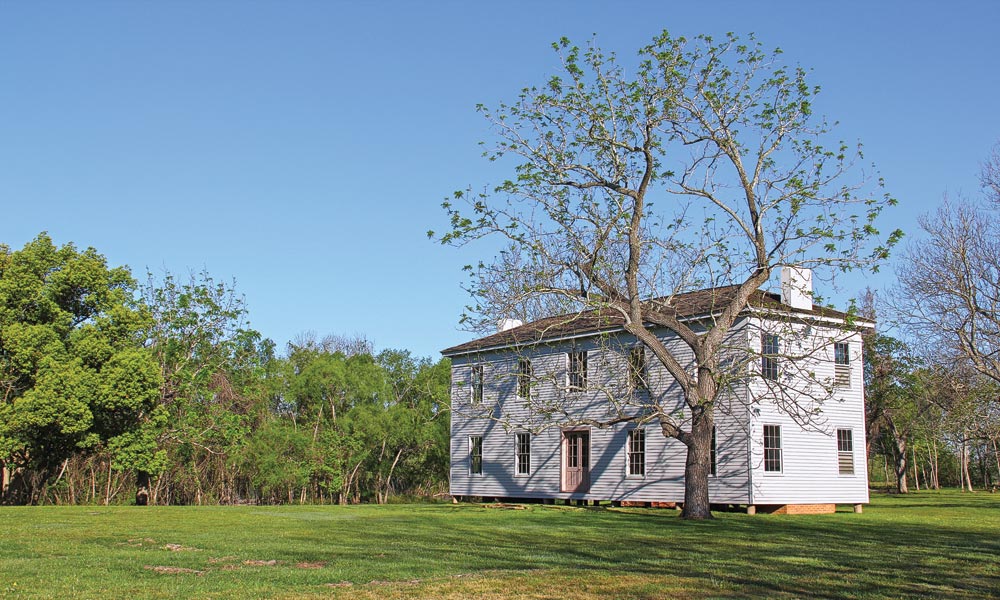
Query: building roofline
{"x": 604, "y": 320}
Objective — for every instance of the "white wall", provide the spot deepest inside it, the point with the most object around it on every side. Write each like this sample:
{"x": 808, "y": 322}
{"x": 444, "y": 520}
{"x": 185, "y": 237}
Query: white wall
{"x": 502, "y": 414}
{"x": 810, "y": 472}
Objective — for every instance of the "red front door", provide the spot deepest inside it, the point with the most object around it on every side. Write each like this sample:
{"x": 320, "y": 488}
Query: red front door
{"x": 576, "y": 461}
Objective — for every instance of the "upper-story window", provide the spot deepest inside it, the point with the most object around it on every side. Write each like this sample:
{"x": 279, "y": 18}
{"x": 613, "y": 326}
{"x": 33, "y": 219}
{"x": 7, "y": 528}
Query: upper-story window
{"x": 770, "y": 347}
{"x": 638, "y": 371}
{"x": 842, "y": 364}
{"x": 524, "y": 375}
{"x": 477, "y": 384}
{"x": 577, "y": 370}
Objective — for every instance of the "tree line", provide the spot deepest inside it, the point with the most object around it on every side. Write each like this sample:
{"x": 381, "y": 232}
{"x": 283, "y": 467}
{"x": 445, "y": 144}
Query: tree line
{"x": 933, "y": 386}
{"x": 112, "y": 391}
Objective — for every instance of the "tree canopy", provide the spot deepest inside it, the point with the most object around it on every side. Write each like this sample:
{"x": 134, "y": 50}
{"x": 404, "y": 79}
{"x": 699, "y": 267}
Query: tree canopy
{"x": 73, "y": 367}
{"x": 699, "y": 165}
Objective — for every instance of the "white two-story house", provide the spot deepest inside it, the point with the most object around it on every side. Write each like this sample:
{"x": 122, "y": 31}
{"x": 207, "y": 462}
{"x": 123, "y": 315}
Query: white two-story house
{"x": 537, "y": 409}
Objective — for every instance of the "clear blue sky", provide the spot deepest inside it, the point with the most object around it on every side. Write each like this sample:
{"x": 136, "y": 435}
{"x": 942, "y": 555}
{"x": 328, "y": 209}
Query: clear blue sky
{"x": 303, "y": 148}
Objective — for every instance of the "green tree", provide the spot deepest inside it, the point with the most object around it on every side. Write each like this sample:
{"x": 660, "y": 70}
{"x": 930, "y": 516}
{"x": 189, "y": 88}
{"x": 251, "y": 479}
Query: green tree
{"x": 704, "y": 167}
{"x": 214, "y": 369}
{"x": 74, "y": 375}
{"x": 897, "y": 398}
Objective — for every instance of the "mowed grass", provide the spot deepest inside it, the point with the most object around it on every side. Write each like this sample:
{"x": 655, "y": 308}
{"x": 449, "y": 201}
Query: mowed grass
{"x": 942, "y": 545}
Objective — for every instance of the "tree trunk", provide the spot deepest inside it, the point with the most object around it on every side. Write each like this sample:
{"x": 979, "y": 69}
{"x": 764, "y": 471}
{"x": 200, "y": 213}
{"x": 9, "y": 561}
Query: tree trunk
{"x": 141, "y": 488}
{"x": 996, "y": 455}
{"x": 935, "y": 473}
{"x": 107, "y": 487}
{"x": 699, "y": 458}
{"x": 900, "y": 455}
{"x": 966, "y": 480}
{"x": 916, "y": 473}
{"x": 983, "y": 469}
{"x": 388, "y": 478}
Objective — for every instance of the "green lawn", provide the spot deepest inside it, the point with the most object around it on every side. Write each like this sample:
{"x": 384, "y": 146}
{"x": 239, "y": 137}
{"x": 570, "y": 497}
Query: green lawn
{"x": 927, "y": 544}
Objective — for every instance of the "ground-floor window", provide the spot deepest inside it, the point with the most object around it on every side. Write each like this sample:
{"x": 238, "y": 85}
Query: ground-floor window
{"x": 772, "y": 448}
{"x": 637, "y": 453}
{"x": 476, "y": 454}
{"x": 845, "y": 452}
{"x": 714, "y": 454}
{"x": 522, "y": 453}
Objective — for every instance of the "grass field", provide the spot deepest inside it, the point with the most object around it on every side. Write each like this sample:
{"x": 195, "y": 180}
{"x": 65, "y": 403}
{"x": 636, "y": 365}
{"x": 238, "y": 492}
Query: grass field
{"x": 942, "y": 545}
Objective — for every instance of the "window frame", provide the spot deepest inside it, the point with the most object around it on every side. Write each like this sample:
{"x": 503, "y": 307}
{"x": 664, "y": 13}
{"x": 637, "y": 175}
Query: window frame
{"x": 714, "y": 455}
{"x": 638, "y": 368}
{"x": 522, "y": 451}
{"x": 842, "y": 364}
{"x": 478, "y": 377}
{"x": 576, "y": 370}
{"x": 843, "y": 454}
{"x": 476, "y": 452}
{"x": 525, "y": 373}
{"x": 635, "y": 453}
{"x": 776, "y": 451}
{"x": 770, "y": 348}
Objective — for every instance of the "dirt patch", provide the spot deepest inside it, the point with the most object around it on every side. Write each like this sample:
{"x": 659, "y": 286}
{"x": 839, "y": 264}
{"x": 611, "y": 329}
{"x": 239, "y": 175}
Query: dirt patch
{"x": 172, "y": 570}
{"x": 380, "y": 582}
{"x": 342, "y": 584}
{"x": 137, "y": 542}
{"x": 179, "y": 548}
{"x": 310, "y": 565}
{"x": 505, "y": 506}
{"x": 260, "y": 563}
{"x": 221, "y": 559}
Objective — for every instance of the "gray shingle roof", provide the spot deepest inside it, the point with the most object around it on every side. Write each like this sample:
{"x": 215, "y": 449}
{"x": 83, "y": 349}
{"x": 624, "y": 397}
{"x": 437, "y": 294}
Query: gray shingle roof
{"x": 687, "y": 305}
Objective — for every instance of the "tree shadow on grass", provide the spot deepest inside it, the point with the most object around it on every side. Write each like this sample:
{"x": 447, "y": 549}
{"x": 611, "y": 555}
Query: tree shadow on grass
{"x": 779, "y": 557}
{"x": 824, "y": 556}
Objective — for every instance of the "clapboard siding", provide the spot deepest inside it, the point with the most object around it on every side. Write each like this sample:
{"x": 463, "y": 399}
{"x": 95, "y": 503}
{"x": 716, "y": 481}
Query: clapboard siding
{"x": 502, "y": 414}
{"x": 810, "y": 471}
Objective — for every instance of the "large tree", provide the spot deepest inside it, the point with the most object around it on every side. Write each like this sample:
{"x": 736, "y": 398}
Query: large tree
{"x": 950, "y": 278}
{"x": 213, "y": 367}
{"x": 700, "y": 165}
{"x": 74, "y": 375}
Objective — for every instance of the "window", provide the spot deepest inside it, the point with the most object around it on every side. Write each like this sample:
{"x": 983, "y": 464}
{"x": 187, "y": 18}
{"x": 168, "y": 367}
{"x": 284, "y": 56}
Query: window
{"x": 845, "y": 452}
{"x": 638, "y": 373}
{"x": 772, "y": 448}
{"x": 714, "y": 455}
{"x": 578, "y": 371}
{"x": 477, "y": 384}
{"x": 637, "y": 453}
{"x": 475, "y": 455}
{"x": 842, "y": 364}
{"x": 522, "y": 453}
{"x": 770, "y": 347}
{"x": 524, "y": 375}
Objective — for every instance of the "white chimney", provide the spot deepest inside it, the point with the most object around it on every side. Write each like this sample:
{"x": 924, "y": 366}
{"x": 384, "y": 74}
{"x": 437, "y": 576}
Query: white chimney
{"x": 506, "y": 324}
{"x": 797, "y": 287}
